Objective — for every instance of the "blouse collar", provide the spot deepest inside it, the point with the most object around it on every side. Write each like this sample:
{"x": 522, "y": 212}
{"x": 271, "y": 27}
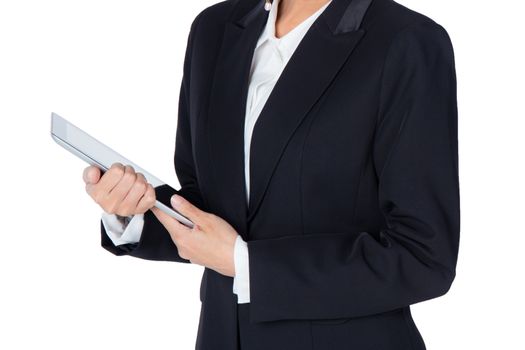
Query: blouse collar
{"x": 289, "y": 41}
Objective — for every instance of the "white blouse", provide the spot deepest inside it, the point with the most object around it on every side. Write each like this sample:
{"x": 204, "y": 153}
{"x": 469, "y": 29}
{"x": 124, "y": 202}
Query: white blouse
{"x": 271, "y": 55}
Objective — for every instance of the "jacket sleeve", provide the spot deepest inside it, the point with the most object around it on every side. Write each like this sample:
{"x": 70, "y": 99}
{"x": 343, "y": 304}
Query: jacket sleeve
{"x": 413, "y": 257}
{"x": 155, "y": 242}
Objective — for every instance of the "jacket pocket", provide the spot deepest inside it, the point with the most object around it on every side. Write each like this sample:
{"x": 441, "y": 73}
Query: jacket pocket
{"x": 329, "y": 321}
{"x": 385, "y": 331}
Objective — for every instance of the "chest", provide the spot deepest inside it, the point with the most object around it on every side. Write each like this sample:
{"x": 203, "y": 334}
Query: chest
{"x": 314, "y": 126}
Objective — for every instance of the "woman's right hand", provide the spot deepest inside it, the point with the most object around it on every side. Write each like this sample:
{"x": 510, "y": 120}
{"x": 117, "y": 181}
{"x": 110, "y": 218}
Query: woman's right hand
{"x": 120, "y": 190}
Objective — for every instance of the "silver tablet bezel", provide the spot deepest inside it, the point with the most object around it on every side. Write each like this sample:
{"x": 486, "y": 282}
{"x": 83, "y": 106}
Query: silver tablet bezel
{"x": 83, "y": 145}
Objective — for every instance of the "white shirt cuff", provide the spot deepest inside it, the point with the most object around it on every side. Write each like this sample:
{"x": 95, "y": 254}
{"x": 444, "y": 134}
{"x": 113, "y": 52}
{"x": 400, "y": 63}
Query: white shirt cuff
{"x": 121, "y": 234}
{"x": 241, "y": 280}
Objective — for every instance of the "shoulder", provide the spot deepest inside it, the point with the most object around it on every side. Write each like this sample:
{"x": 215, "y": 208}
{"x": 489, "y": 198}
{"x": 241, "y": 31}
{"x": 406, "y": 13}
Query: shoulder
{"x": 397, "y": 24}
{"x": 405, "y": 38}
{"x": 207, "y": 26}
{"x": 214, "y": 15}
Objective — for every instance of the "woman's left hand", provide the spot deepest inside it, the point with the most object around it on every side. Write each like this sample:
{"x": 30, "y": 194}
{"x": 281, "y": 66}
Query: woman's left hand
{"x": 209, "y": 243}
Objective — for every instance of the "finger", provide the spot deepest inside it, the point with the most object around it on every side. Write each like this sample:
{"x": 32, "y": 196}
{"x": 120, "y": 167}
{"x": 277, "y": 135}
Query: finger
{"x": 121, "y": 189}
{"x": 128, "y": 206}
{"x": 147, "y": 201}
{"x": 189, "y": 210}
{"x": 174, "y": 227}
{"x": 111, "y": 178}
{"x": 91, "y": 174}
{"x": 91, "y": 177}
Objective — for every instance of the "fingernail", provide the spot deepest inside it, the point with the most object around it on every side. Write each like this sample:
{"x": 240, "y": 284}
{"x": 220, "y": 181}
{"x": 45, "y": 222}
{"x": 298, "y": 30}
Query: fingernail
{"x": 176, "y": 200}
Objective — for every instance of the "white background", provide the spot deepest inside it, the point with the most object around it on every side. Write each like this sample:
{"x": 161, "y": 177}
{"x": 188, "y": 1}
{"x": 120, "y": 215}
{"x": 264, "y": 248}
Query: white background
{"x": 114, "y": 68}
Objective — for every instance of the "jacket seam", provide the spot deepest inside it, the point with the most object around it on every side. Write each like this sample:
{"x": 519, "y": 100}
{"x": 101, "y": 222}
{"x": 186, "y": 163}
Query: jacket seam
{"x": 305, "y": 141}
{"x": 408, "y": 329}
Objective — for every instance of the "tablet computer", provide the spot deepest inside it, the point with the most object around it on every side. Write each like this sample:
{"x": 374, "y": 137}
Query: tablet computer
{"x": 98, "y": 154}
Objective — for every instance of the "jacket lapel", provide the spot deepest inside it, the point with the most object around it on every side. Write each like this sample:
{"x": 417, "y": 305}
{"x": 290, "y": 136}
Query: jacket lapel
{"x": 225, "y": 121}
{"x": 311, "y": 68}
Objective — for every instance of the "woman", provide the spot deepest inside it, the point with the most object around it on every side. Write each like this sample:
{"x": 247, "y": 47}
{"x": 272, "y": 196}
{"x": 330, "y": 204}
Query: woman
{"x": 316, "y": 149}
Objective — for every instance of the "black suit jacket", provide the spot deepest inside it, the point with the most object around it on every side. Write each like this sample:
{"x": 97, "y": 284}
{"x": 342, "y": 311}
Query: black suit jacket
{"x": 354, "y": 205}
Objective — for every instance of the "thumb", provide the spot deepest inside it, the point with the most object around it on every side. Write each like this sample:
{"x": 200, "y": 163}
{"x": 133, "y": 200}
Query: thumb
{"x": 91, "y": 174}
{"x": 187, "y": 209}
